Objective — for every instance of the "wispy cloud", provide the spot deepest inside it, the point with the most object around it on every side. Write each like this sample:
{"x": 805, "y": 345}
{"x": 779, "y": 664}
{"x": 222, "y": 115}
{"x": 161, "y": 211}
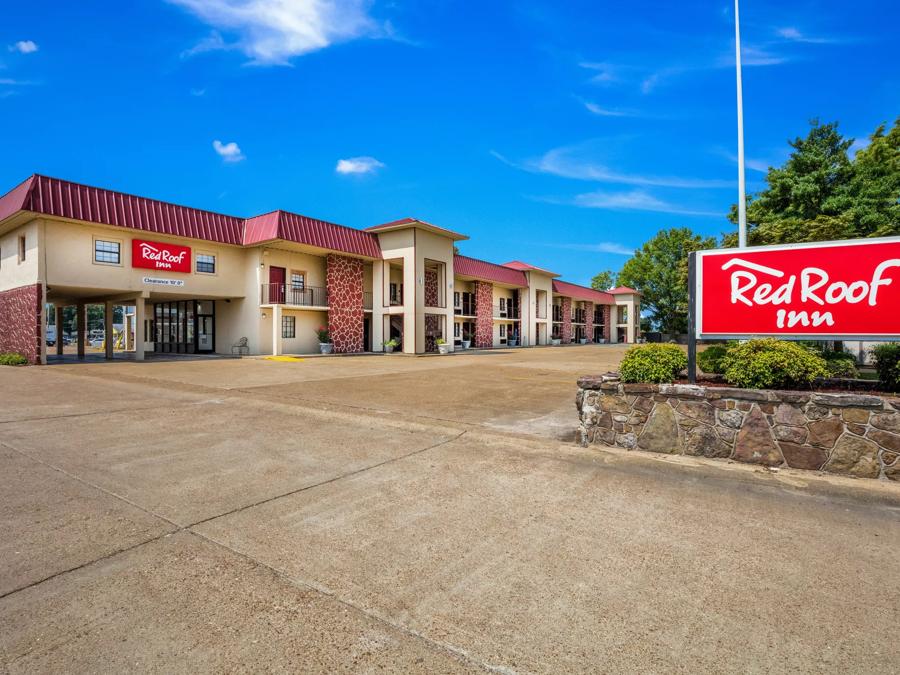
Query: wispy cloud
{"x": 24, "y": 47}
{"x": 575, "y": 162}
{"x": 793, "y": 34}
{"x": 10, "y": 82}
{"x": 601, "y": 247}
{"x": 760, "y": 165}
{"x": 229, "y": 152}
{"x": 635, "y": 200}
{"x": 198, "y": 92}
{"x": 604, "y": 111}
{"x": 604, "y": 73}
{"x": 358, "y": 165}
{"x": 271, "y": 32}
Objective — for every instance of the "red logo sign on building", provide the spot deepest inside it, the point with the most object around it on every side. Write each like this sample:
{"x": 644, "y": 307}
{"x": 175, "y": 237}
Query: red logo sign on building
{"x": 836, "y": 289}
{"x": 155, "y": 255}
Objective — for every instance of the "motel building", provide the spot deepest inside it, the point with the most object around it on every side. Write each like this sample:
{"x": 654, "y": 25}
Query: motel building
{"x": 196, "y": 282}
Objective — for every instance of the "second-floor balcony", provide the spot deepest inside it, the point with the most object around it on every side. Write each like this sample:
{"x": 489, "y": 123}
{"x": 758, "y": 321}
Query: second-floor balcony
{"x": 367, "y": 299}
{"x": 598, "y": 317}
{"x": 285, "y": 294}
{"x": 465, "y": 308}
{"x": 579, "y": 316}
{"x": 506, "y": 311}
{"x": 557, "y": 313}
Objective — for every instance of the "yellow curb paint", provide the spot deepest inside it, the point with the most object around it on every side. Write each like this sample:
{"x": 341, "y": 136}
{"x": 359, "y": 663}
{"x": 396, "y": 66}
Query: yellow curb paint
{"x": 284, "y": 358}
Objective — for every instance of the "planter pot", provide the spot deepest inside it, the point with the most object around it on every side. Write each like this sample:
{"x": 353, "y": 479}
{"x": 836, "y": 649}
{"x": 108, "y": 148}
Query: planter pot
{"x": 466, "y": 344}
{"x": 555, "y": 341}
{"x": 388, "y": 349}
{"x": 444, "y": 349}
{"x": 583, "y": 341}
{"x": 326, "y": 347}
{"x": 513, "y": 343}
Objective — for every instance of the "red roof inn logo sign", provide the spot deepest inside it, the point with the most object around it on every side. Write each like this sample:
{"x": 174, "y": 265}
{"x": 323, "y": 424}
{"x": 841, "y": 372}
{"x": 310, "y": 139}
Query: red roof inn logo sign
{"x": 154, "y": 255}
{"x": 838, "y": 289}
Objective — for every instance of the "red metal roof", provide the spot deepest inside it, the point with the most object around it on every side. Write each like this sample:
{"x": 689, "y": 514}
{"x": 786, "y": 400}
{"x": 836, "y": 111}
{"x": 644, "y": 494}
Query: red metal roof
{"x": 486, "y": 271}
{"x": 54, "y": 197}
{"x": 394, "y": 224}
{"x": 294, "y": 227}
{"x": 582, "y": 293}
{"x": 519, "y": 265}
{"x": 623, "y": 290}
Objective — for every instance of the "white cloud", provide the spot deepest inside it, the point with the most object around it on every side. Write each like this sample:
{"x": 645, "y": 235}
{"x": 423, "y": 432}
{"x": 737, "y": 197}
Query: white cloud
{"x": 602, "y": 247}
{"x": 198, "y": 92}
{"x": 24, "y": 47}
{"x": 607, "y": 112}
{"x": 271, "y": 32}
{"x": 575, "y": 162}
{"x": 229, "y": 152}
{"x": 605, "y": 73}
{"x": 793, "y": 34}
{"x": 358, "y": 165}
{"x": 635, "y": 200}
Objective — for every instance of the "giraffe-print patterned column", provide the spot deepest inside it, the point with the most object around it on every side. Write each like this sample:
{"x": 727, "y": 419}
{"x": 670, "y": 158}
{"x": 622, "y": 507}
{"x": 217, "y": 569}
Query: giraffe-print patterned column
{"x": 484, "y": 314}
{"x": 589, "y": 321}
{"x": 344, "y": 282}
{"x": 607, "y": 320}
{"x": 566, "y": 331}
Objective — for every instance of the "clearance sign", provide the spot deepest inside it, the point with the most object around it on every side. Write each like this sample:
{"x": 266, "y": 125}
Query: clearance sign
{"x": 838, "y": 289}
{"x": 155, "y": 255}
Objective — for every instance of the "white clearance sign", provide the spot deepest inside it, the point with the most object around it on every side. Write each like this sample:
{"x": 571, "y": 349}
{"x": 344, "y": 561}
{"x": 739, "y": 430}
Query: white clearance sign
{"x": 157, "y": 281}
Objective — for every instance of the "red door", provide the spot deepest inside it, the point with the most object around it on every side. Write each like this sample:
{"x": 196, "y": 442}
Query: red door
{"x": 276, "y": 285}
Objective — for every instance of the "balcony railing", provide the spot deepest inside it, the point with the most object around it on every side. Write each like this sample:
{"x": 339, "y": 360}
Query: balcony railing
{"x": 598, "y": 318}
{"x": 507, "y": 312}
{"x": 367, "y": 299}
{"x": 465, "y": 309}
{"x": 557, "y": 313}
{"x": 283, "y": 294}
{"x": 579, "y": 316}
{"x": 540, "y": 310}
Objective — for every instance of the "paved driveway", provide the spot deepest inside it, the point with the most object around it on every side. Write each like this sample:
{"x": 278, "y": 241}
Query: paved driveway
{"x": 410, "y": 514}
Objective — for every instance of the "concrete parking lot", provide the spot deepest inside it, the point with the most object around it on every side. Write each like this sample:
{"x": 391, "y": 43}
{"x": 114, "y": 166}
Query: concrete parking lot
{"x": 391, "y": 513}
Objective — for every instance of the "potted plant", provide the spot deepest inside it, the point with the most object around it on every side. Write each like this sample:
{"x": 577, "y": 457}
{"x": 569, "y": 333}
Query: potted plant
{"x": 583, "y": 340}
{"x": 555, "y": 340}
{"x": 324, "y": 335}
{"x": 513, "y": 340}
{"x": 442, "y": 346}
{"x": 390, "y": 345}
{"x": 466, "y": 340}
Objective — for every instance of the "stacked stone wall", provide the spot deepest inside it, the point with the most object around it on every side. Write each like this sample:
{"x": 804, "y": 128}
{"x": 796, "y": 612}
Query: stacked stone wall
{"x": 344, "y": 282}
{"x": 566, "y": 329}
{"x": 851, "y": 434}
{"x": 20, "y": 321}
{"x": 484, "y": 314}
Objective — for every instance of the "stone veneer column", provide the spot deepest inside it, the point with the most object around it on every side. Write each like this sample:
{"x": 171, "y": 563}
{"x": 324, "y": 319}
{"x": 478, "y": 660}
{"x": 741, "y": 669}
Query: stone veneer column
{"x": 432, "y": 297}
{"x": 344, "y": 284}
{"x": 484, "y": 314}
{"x": 566, "y": 330}
{"x": 20, "y": 321}
{"x": 607, "y": 318}
{"x": 589, "y": 321}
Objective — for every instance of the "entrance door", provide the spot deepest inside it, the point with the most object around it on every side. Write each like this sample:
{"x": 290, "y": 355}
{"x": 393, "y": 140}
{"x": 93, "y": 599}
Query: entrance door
{"x": 277, "y": 276}
{"x": 206, "y": 326}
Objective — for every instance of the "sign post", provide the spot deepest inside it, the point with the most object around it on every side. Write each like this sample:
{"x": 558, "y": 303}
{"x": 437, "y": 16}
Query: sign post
{"x": 834, "y": 290}
{"x": 692, "y": 322}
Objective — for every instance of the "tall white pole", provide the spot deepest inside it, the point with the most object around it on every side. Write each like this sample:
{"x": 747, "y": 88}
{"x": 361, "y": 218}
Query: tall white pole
{"x": 742, "y": 196}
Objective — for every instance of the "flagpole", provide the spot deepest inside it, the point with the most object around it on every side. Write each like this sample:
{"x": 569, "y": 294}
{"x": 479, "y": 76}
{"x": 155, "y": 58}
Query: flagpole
{"x": 742, "y": 196}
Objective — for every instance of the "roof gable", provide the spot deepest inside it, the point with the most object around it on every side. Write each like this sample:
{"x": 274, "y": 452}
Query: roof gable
{"x": 487, "y": 271}
{"x": 582, "y": 293}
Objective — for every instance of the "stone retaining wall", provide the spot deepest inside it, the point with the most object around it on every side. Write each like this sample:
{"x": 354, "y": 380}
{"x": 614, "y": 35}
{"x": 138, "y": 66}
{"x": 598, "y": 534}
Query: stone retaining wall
{"x": 851, "y": 434}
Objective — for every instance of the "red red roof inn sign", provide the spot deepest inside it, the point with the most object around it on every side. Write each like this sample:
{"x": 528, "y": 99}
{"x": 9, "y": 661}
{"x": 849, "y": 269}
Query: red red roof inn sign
{"x": 838, "y": 290}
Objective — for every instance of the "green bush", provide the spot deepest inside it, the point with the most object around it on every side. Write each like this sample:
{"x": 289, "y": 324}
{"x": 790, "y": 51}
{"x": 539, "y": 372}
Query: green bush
{"x": 887, "y": 363}
{"x": 710, "y": 359}
{"x": 12, "y": 359}
{"x": 652, "y": 363}
{"x": 769, "y": 363}
{"x": 840, "y": 364}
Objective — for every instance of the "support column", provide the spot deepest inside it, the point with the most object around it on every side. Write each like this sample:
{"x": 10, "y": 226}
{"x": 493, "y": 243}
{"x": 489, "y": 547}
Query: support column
{"x": 108, "y": 342}
{"x": 607, "y": 322}
{"x": 81, "y": 329}
{"x": 139, "y": 310}
{"x": 276, "y": 330}
{"x": 484, "y": 314}
{"x": 589, "y": 321}
{"x": 566, "y": 329}
{"x": 59, "y": 329}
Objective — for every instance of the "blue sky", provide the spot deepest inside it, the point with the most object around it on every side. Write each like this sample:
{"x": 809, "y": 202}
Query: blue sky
{"x": 564, "y": 134}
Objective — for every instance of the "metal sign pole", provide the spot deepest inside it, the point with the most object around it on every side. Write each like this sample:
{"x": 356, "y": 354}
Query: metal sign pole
{"x": 692, "y": 318}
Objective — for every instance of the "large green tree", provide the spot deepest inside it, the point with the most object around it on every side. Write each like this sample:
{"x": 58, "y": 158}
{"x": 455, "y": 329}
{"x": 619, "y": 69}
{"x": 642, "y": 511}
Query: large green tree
{"x": 603, "y": 281}
{"x": 821, "y": 193}
{"x": 659, "y": 270}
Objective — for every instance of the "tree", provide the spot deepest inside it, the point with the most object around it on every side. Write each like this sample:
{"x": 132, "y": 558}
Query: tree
{"x": 821, "y": 193}
{"x": 602, "y": 281}
{"x": 659, "y": 270}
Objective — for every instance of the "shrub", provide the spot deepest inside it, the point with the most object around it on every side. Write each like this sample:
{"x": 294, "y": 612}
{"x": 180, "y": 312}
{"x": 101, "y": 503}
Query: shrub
{"x": 840, "y": 364}
{"x": 323, "y": 334}
{"x": 887, "y": 363}
{"x": 12, "y": 359}
{"x": 652, "y": 363}
{"x": 769, "y": 363}
{"x": 710, "y": 359}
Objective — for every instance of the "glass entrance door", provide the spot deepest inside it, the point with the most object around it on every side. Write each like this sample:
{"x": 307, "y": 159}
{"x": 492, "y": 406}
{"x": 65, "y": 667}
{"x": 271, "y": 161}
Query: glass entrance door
{"x": 185, "y": 327}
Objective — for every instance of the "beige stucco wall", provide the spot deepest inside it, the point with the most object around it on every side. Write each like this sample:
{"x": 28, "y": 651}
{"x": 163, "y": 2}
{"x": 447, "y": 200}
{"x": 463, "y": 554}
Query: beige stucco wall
{"x": 14, "y": 273}
{"x": 396, "y": 245}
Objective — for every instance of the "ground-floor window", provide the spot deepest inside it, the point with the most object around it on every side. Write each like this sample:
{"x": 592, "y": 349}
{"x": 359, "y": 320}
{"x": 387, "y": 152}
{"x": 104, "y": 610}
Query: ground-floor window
{"x": 288, "y": 327}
